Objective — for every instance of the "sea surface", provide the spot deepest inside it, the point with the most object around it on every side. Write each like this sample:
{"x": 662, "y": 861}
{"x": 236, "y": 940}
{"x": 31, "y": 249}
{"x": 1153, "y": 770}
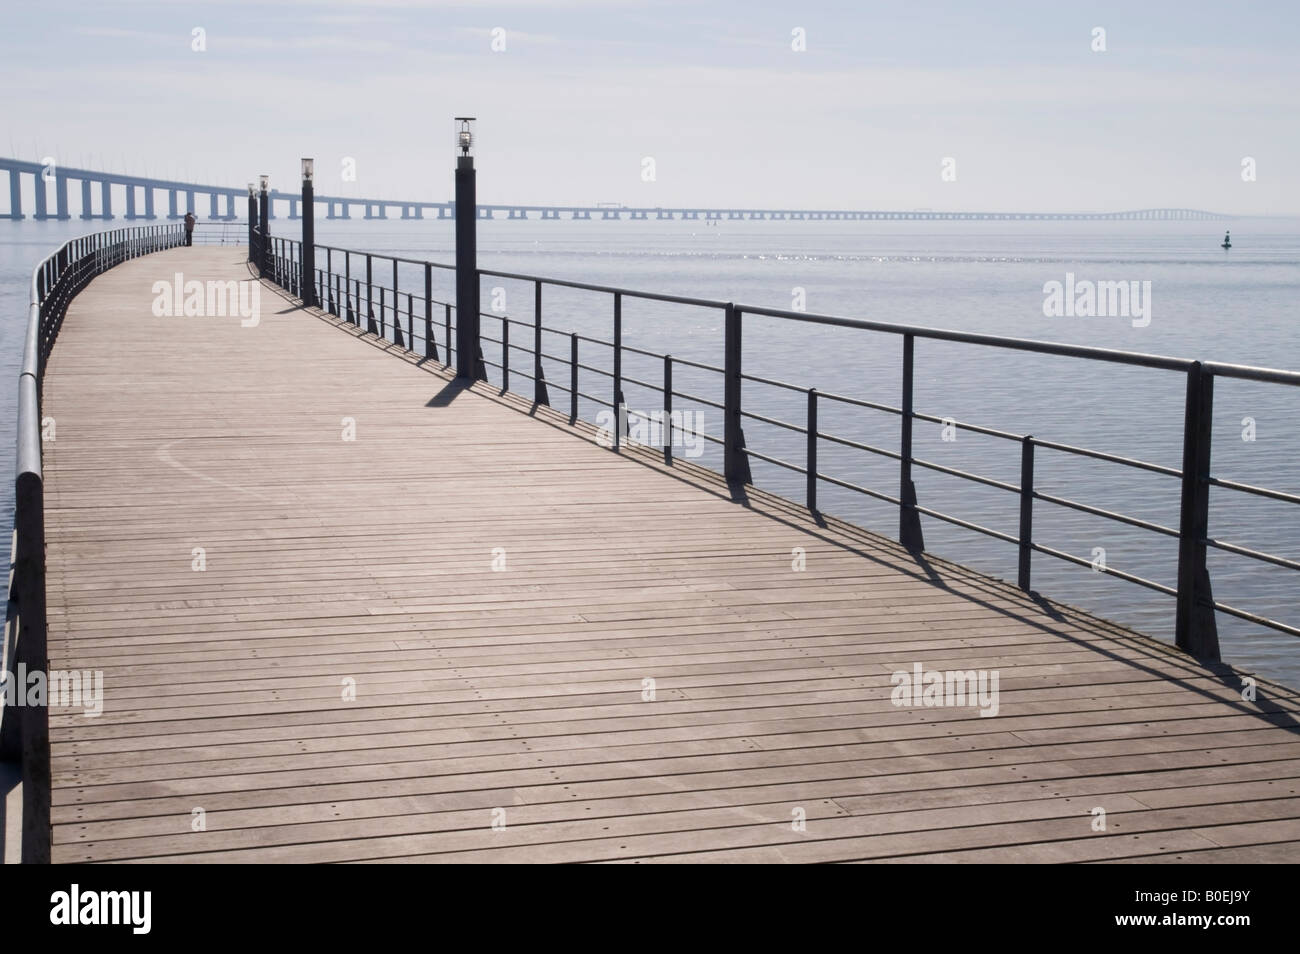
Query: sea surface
{"x": 1239, "y": 306}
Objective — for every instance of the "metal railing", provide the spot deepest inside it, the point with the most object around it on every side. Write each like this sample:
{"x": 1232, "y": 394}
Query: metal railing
{"x": 351, "y": 294}
{"x": 24, "y": 730}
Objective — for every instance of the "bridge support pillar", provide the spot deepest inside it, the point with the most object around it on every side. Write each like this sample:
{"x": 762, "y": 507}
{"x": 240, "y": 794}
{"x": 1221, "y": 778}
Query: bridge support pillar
{"x": 87, "y": 212}
{"x": 105, "y": 199}
{"x": 293, "y": 209}
{"x": 148, "y": 203}
{"x": 172, "y": 213}
{"x": 230, "y": 206}
{"x": 212, "y": 205}
{"x": 15, "y": 195}
{"x": 61, "y": 196}
{"x": 41, "y": 210}
{"x": 130, "y": 202}
{"x": 189, "y": 200}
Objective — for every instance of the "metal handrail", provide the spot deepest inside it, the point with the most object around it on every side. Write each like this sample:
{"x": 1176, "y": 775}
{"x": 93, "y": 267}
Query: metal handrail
{"x": 56, "y": 279}
{"x": 1194, "y": 631}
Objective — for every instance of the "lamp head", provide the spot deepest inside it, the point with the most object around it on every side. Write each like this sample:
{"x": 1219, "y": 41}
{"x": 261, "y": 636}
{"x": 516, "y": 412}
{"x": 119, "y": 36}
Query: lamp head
{"x": 465, "y": 135}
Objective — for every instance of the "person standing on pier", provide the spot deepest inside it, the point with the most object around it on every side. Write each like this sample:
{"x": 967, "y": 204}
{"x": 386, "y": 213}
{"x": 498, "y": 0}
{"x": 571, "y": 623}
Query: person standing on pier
{"x": 189, "y": 228}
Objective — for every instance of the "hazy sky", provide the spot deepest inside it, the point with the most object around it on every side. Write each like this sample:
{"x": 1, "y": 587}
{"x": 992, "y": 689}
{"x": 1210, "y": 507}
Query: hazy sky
{"x": 585, "y": 90}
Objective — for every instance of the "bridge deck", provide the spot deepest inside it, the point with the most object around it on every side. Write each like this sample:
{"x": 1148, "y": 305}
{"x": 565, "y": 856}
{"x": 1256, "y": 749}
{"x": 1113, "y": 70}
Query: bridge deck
{"x": 371, "y": 560}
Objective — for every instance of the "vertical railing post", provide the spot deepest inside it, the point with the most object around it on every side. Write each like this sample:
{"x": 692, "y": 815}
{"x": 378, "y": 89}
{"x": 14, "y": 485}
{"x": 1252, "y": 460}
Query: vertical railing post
{"x": 619, "y": 414}
{"x": 909, "y": 521}
{"x": 505, "y": 354}
{"x": 573, "y": 378}
{"x": 1026, "y": 510}
{"x": 668, "y": 410}
{"x": 735, "y": 461}
{"x": 446, "y": 332}
{"x": 430, "y": 346}
{"x": 540, "y": 394}
{"x": 370, "y": 294}
{"x": 410, "y": 322}
{"x": 811, "y": 465}
{"x": 397, "y": 308}
{"x": 1195, "y": 627}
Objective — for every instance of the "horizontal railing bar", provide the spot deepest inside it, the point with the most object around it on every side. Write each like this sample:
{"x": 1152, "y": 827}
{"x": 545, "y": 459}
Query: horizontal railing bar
{"x": 700, "y": 400}
{"x": 862, "y": 490}
{"x": 774, "y": 460}
{"x": 1112, "y": 458}
{"x": 592, "y": 397}
{"x": 978, "y": 528}
{"x": 858, "y": 402}
{"x": 954, "y": 472}
{"x": 774, "y": 383}
{"x": 973, "y": 428}
{"x": 1256, "y": 618}
{"x": 1252, "y": 554}
{"x": 1110, "y": 571}
{"x": 1252, "y": 489}
{"x": 858, "y": 445}
{"x": 645, "y": 384}
{"x": 772, "y": 420}
{"x": 1248, "y": 373}
{"x": 965, "y": 337}
{"x": 607, "y": 289}
{"x": 1108, "y": 514}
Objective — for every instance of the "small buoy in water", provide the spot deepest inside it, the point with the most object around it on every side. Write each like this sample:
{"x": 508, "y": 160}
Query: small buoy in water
{"x": 1227, "y": 240}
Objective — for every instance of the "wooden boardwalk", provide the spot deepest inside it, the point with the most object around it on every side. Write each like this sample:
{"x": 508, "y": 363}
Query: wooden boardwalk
{"x": 519, "y": 696}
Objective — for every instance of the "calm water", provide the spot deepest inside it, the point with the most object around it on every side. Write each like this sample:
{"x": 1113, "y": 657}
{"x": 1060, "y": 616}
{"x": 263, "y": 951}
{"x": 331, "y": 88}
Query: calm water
{"x": 1239, "y": 306}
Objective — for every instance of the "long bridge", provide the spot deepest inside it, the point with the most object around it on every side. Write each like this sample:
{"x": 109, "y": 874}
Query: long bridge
{"x": 364, "y": 583}
{"x": 139, "y": 202}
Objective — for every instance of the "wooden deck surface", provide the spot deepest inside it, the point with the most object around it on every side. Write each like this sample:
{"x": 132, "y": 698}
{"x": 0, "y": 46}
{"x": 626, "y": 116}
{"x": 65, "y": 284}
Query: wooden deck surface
{"x": 517, "y": 696}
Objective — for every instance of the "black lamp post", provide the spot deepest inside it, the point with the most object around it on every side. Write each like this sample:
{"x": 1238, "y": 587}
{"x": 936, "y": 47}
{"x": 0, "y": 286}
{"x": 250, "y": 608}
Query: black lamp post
{"x": 252, "y": 222}
{"x": 469, "y": 365}
{"x": 264, "y": 242}
{"x": 307, "y": 280}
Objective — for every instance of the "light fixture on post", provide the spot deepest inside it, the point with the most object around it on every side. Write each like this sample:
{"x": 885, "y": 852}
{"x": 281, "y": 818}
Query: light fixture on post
{"x": 465, "y": 135}
{"x": 307, "y": 260}
{"x": 469, "y": 360}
